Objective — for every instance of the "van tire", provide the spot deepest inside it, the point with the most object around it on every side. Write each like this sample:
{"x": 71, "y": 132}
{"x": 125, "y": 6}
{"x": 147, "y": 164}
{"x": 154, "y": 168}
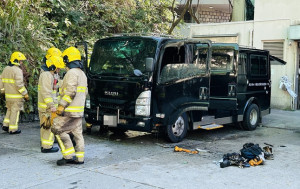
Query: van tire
{"x": 177, "y": 131}
{"x": 251, "y": 117}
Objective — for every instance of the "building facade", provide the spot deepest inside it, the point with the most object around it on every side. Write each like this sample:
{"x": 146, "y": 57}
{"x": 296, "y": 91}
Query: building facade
{"x": 275, "y": 27}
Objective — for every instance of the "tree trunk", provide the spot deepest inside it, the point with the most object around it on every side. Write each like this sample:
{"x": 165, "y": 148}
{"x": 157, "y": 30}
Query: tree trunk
{"x": 177, "y": 21}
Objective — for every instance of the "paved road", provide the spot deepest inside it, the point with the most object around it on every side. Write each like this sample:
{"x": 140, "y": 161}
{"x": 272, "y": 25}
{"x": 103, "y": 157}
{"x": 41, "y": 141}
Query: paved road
{"x": 141, "y": 160}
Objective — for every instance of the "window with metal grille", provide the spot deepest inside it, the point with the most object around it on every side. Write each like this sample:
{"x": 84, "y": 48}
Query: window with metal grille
{"x": 275, "y": 49}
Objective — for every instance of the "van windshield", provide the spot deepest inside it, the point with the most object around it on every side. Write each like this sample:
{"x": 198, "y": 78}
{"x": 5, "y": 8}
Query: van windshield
{"x": 121, "y": 56}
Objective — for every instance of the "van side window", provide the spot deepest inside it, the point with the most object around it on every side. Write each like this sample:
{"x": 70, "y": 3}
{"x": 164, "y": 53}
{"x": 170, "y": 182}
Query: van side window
{"x": 202, "y": 57}
{"x": 258, "y": 65}
{"x": 222, "y": 60}
{"x": 172, "y": 70}
{"x": 242, "y": 63}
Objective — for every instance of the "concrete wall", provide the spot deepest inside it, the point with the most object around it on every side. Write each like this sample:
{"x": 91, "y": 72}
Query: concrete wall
{"x": 238, "y": 12}
{"x": 283, "y": 13}
{"x": 242, "y": 29}
{"x": 277, "y": 9}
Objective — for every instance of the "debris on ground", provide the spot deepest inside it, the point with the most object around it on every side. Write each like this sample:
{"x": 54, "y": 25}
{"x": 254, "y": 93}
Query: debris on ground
{"x": 251, "y": 155}
{"x": 233, "y": 159}
{"x": 178, "y": 149}
{"x": 268, "y": 152}
{"x": 268, "y": 144}
{"x": 166, "y": 145}
{"x": 200, "y": 150}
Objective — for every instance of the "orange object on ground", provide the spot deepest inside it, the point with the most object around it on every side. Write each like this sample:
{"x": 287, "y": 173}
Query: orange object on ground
{"x": 254, "y": 162}
{"x": 178, "y": 149}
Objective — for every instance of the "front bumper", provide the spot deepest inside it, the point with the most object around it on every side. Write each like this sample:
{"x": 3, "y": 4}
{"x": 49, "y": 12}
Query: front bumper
{"x": 118, "y": 121}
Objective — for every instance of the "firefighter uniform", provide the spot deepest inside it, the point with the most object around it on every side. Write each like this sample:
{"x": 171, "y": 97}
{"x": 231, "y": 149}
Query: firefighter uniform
{"x": 15, "y": 92}
{"x": 46, "y": 101}
{"x": 71, "y": 109}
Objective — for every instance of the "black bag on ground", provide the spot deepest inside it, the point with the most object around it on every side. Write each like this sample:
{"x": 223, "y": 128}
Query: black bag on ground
{"x": 250, "y": 151}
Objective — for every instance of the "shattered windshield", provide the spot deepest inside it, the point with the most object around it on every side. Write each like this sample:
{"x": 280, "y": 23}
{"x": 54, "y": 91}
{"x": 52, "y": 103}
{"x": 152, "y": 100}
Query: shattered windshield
{"x": 121, "y": 56}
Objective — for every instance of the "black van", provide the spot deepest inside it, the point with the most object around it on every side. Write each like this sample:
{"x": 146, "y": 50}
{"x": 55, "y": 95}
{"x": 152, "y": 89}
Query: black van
{"x": 146, "y": 83}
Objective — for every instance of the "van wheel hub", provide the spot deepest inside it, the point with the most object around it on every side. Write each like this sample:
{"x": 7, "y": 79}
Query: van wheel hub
{"x": 253, "y": 117}
{"x": 178, "y": 126}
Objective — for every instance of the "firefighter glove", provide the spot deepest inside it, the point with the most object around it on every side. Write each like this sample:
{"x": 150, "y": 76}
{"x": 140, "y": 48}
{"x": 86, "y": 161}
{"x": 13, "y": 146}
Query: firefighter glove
{"x": 255, "y": 161}
{"x": 53, "y": 115}
{"x": 26, "y": 97}
{"x": 45, "y": 122}
{"x": 60, "y": 110}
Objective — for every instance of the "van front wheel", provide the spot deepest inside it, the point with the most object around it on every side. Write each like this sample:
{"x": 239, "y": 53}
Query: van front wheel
{"x": 177, "y": 131}
{"x": 251, "y": 117}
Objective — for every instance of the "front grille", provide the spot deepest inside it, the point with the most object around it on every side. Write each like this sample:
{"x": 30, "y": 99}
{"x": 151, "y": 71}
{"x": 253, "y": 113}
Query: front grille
{"x": 107, "y": 108}
{"x": 110, "y": 106}
{"x": 112, "y": 101}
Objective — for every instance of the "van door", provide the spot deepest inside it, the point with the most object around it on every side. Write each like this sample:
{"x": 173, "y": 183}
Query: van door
{"x": 259, "y": 85}
{"x": 201, "y": 85}
{"x": 223, "y": 77}
{"x": 183, "y": 82}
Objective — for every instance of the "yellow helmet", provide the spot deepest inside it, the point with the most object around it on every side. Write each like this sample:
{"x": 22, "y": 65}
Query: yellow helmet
{"x": 71, "y": 54}
{"x": 53, "y": 52}
{"x": 54, "y": 62}
{"x": 16, "y": 57}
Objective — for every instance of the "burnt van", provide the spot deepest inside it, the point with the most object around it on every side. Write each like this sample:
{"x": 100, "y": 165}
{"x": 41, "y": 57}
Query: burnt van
{"x": 147, "y": 83}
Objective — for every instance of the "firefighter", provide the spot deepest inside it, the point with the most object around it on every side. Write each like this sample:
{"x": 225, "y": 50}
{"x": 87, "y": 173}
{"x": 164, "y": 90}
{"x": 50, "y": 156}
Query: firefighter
{"x": 46, "y": 98}
{"x": 70, "y": 109}
{"x": 55, "y": 52}
{"x": 15, "y": 92}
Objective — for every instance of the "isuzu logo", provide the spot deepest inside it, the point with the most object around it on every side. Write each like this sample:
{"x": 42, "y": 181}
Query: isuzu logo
{"x": 110, "y": 93}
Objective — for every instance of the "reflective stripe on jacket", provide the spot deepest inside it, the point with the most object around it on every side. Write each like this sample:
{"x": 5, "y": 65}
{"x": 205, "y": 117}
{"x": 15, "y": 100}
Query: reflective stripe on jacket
{"x": 45, "y": 89}
{"x": 13, "y": 84}
{"x": 73, "y": 92}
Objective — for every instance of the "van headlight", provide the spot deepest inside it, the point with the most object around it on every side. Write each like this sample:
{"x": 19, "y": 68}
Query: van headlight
{"x": 142, "y": 104}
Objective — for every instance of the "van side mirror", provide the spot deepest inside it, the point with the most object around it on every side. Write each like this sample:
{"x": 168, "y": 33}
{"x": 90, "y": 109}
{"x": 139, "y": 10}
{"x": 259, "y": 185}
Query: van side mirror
{"x": 149, "y": 64}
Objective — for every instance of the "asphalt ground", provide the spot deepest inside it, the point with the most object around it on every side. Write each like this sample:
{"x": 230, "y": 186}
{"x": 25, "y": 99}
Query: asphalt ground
{"x": 143, "y": 160}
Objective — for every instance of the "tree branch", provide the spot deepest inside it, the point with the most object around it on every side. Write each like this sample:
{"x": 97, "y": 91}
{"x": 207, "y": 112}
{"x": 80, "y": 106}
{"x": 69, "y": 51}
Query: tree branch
{"x": 192, "y": 13}
{"x": 173, "y": 11}
{"x": 177, "y": 21}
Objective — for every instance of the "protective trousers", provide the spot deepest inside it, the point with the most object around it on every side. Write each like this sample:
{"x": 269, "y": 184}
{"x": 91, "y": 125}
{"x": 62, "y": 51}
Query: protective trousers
{"x": 62, "y": 128}
{"x": 11, "y": 119}
{"x": 47, "y": 137}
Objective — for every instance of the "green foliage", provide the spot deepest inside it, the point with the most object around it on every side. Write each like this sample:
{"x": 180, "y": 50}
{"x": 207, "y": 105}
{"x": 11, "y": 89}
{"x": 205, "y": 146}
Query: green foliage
{"x": 32, "y": 26}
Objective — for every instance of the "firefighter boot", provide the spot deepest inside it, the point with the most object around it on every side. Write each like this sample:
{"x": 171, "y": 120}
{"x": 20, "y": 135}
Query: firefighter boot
{"x": 5, "y": 128}
{"x": 16, "y": 132}
{"x": 51, "y": 150}
{"x": 64, "y": 161}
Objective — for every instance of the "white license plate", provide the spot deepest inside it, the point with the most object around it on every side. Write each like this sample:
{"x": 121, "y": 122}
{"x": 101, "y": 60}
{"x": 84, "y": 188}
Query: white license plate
{"x": 110, "y": 120}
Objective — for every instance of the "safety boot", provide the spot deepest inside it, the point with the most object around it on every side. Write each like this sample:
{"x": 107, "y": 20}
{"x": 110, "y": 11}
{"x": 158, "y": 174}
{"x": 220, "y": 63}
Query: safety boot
{"x": 64, "y": 161}
{"x": 5, "y": 128}
{"x": 51, "y": 150}
{"x": 16, "y": 132}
